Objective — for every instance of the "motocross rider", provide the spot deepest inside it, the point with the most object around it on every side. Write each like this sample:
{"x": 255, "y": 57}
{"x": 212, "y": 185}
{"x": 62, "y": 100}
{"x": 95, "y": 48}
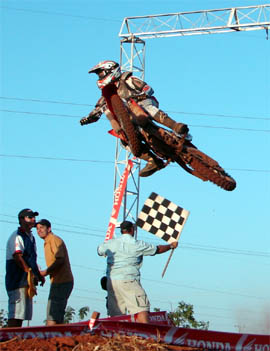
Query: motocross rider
{"x": 130, "y": 86}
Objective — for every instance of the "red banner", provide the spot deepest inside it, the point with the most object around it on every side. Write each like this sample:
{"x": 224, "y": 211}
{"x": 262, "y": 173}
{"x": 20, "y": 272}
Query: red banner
{"x": 159, "y": 329}
{"x": 118, "y": 196}
{"x": 195, "y": 338}
{"x": 157, "y": 318}
{"x": 44, "y": 332}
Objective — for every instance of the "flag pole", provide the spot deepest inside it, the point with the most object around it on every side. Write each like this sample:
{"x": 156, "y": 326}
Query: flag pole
{"x": 172, "y": 251}
{"x": 168, "y": 261}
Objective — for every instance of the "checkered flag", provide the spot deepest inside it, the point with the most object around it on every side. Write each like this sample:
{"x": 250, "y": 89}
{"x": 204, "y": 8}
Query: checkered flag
{"x": 162, "y": 218}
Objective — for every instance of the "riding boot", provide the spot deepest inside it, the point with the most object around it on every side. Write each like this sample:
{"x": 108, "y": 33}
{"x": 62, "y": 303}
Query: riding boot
{"x": 153, "y": 164}
{"x": 162, "y": 118}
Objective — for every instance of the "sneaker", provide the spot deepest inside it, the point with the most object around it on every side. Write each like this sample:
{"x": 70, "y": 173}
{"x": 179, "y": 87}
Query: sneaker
{"x": 180, "y": 128}
{"x": 151, "y": 167}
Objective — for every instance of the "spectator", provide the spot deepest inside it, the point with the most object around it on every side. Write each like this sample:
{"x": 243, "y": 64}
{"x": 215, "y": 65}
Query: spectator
{"x": 58, "y": 267}
{"x": 124, "y": 260}
{"x": 21, "y": 257}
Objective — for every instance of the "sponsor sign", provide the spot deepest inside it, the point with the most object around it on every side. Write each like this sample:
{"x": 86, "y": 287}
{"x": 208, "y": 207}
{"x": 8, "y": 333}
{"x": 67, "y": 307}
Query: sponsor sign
{"x": 160, "y": 329}
{"x": 118, "y": 196}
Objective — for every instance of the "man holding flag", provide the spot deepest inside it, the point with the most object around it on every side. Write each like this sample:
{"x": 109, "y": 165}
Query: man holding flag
{"x": 124, "y": 260}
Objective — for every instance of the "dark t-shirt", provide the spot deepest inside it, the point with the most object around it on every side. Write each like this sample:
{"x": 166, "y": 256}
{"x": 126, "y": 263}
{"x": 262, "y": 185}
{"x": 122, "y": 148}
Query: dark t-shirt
{"x": 20, "y": 242}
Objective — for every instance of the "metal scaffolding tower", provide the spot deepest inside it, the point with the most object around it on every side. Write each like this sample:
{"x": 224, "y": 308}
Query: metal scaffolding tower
{"x": 132, "y": 58}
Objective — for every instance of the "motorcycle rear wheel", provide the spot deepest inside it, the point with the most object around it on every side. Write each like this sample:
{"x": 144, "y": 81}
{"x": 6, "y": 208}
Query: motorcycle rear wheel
{"x": 126, "y": 124}
{"x": 206, "y": 168}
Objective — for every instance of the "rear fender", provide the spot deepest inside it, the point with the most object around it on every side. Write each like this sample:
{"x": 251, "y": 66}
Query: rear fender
{"x": 120, "y": 135}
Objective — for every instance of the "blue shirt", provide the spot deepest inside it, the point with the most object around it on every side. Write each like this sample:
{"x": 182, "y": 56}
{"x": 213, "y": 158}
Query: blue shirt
{"x": 125, "y": 256}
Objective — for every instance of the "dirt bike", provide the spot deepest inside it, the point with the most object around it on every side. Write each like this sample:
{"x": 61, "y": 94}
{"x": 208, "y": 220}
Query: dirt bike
{"x": 139, "y": 131}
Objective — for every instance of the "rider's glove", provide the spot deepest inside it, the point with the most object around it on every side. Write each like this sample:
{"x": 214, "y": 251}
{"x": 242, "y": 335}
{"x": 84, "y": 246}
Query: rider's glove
{"x": 91, "y": 118}
{"x": 138, "y": 97}
{"x": 142, "y": 97}
{"x": 87, "y": 120}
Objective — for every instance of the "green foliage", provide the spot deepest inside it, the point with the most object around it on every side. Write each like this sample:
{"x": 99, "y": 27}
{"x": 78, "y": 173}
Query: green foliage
{"x": 82, "y": 313}
{"x": 70, "y": 314}
{"x": 183, "y": 316}
{"x": 3, "y": 318}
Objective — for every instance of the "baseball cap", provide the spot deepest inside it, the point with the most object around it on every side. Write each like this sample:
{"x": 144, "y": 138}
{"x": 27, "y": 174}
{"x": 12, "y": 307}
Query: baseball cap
{"x": 44, "y": 222}
{"x": 26, "y": 212}
{"x": 126, "y": 225}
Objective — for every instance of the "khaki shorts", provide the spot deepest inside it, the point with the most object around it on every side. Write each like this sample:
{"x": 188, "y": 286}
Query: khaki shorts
{"x": 126, "y": 296}
{"x": 20, "y": 306}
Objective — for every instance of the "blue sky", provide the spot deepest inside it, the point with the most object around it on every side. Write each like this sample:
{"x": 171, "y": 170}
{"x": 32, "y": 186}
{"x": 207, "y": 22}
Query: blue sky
{"x": 218, "y": 84}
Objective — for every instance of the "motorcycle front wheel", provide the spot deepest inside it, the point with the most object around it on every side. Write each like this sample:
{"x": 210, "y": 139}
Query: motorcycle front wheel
{"x": 126, "y": 124}
{"x": 206, "y": 168}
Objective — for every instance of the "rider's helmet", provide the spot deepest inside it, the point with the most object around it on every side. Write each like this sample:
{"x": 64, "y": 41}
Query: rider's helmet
{"x": 107, "y": 71}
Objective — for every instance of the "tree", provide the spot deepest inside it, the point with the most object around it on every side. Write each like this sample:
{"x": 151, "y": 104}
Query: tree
{"x": 3, "y": 318}
{"x": 69, "y": 315}
{"x": 82, "y": 313}
{"x": 183, "y": 316}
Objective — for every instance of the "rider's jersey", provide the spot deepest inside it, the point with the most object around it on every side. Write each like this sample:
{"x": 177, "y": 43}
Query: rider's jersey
{"x": 128, "y": 86}
{"x": 131, "y": 86}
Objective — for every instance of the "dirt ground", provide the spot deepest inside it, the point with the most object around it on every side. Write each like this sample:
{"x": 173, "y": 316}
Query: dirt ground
{"x": 86, "y": 343}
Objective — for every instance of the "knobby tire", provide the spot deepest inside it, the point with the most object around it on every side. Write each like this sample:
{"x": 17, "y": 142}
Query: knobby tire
{"x": 126, "y": 124}
{"x": 209, "y": 169}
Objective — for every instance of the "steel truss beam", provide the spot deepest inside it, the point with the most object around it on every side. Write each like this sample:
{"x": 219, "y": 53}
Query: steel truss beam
{"x": 133, "y": 56}
{"x": 196, "y": 22}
